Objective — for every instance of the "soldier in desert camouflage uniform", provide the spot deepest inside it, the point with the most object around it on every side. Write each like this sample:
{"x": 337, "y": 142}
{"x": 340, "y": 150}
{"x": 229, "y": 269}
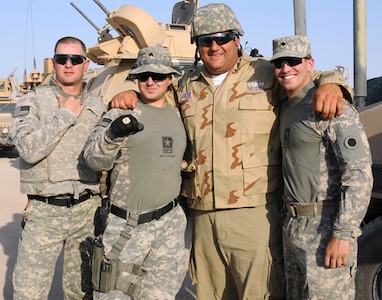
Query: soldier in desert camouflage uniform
{"x": 232, "y": 180}
{"x": 328, "y": 182}
{"x": 50, "y": 127}
{"x": 232, "y": 173}
{"x": 145, "y": 180}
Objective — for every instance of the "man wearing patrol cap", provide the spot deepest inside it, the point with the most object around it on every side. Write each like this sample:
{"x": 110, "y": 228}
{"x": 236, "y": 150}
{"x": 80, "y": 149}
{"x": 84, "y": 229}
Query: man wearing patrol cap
{"x": 232, "y": 171}
{"x": 144, "y": 148}
{"x": 327, "y": 182}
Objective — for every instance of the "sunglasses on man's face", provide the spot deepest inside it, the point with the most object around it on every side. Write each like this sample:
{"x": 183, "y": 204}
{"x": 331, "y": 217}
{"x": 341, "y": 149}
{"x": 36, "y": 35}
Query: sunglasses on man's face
{"x": 290, "y": 61}
{"x": 156, "y": 77}
{"x": 75, "y": 59}
{"x": 220, "y": 38}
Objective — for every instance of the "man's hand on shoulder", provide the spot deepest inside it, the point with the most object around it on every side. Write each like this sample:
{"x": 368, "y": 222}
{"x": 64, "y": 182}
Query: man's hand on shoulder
{"x": 124, "y": 100}
{"x": 327, "y": 101}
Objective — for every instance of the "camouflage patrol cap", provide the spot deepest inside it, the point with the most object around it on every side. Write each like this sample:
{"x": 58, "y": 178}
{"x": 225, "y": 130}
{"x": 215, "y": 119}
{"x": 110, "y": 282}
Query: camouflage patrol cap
{"x": 154, "y": 59}
{"x": 291, "y": 46}
{"x": 212, "y": 18}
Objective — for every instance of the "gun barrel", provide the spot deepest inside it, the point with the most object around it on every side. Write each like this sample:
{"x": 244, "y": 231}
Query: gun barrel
{"x": 85, "y": 16}
{"x": 102, "y": 7}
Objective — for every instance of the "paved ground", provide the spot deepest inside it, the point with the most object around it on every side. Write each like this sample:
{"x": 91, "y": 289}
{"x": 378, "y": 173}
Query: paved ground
{"x": 11, "y": 206}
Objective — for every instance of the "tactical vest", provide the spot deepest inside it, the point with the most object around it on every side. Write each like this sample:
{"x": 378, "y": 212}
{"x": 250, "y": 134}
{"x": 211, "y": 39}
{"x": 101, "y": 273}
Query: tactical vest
{"x": 65, "y": 162}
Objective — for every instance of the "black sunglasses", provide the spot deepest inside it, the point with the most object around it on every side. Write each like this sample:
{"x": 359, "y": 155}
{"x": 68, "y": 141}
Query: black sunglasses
{"x": 290, "y": 61}
{"x": 75, "y": 59}
{"x": 220, "y": 38}
{"x": 156, "y": 77}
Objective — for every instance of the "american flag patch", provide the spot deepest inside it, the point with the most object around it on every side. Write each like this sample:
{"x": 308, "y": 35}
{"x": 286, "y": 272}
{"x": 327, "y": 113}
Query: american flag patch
{"x": 186, "y": 96}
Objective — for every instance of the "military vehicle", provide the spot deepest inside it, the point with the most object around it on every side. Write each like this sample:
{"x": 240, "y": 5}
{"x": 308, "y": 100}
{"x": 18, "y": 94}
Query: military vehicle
{"x": 8, "y": 92}
{"x": 137, "y": 29}
{"x": 11, "y": 91}
{"x": 369, "y": 274}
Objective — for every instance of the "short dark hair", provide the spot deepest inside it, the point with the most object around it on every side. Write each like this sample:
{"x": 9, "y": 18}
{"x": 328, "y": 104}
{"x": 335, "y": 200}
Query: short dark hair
{"x": 68, "y": 40}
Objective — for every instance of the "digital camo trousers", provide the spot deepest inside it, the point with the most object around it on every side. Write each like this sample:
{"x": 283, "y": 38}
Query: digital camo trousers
{"x": 159, "y": 245}
{"x": 48, "y": 229}
{"x": 305, "y": 240}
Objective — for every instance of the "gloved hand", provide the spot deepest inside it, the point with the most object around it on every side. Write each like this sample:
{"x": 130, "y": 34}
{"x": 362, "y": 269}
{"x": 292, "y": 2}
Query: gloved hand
{"x": 125, "y": 125}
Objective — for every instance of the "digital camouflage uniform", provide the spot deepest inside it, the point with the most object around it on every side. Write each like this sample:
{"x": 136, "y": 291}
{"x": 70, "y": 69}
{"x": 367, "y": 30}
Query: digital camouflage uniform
{"x": 326, "y": 167}
{"x": 232, "y": 177}
{"x": 145, "y": 176}
{"x": 49, "y": 140}
{"x": 320, "y": 163}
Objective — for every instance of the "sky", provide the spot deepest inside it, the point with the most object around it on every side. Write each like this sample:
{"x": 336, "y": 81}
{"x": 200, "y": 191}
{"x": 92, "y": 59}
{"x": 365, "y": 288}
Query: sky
{"x": 31, "y": 28}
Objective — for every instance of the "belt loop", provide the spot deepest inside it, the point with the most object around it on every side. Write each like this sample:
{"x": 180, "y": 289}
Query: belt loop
{"x": 291, "y": 209}
{"x": 315, "y": 212}
{"x": 294, "y": 211}
{"x": 157, "y": 214}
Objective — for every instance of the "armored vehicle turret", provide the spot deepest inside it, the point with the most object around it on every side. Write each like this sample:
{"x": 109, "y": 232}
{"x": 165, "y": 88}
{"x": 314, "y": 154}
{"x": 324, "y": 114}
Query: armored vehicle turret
{"x": 136, "y": 29}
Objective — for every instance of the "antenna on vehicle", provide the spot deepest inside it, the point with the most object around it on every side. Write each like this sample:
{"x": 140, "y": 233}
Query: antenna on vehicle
{"x": 103, "y": 33}
{"x": 85, "y": 16}
{"x": 29, "y": 13}
{"x": 102, "y": 7}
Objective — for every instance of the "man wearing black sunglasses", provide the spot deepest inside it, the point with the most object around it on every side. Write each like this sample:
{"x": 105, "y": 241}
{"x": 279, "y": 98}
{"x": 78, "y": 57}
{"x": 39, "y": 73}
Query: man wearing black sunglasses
{"x": 50, "y": 127}
{"x": 327, "y": 182}
{"x": 143, "y": 148}
{"x": 74, "y": 59}
{"x": 233, "y": 178}
{"x": 232, "y": 173}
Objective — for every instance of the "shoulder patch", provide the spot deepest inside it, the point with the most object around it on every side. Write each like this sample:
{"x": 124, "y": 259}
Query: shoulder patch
{"x": 351, "y": 142}
{"x": 21, "y": 111}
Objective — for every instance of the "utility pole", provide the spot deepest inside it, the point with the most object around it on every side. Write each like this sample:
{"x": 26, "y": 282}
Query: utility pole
{"x": 360, "y": 78}
{"x": 299, "y": 17}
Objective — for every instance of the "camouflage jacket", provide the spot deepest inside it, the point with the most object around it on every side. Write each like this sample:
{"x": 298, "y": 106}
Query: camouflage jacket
{"x": 326, "y": 160}
{"x": 233, "y": 157}
{"x": 50, "y": 139}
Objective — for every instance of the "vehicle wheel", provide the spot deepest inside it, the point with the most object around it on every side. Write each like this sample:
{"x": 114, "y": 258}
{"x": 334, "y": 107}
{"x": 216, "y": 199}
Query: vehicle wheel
{"x": 369, "y": 273}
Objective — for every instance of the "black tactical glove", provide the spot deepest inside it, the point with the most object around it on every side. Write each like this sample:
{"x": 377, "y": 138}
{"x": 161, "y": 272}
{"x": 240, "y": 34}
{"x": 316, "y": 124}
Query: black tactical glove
{"x": 125, "y": 125}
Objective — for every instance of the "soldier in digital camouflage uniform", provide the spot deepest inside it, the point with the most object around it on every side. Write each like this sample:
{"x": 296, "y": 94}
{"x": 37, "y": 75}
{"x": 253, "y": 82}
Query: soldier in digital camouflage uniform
{"x": 232, "y": 172}
{"x": 145, "y": 179}
{"x": 327, "y": 182}
{"x": 50, "y": 127}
